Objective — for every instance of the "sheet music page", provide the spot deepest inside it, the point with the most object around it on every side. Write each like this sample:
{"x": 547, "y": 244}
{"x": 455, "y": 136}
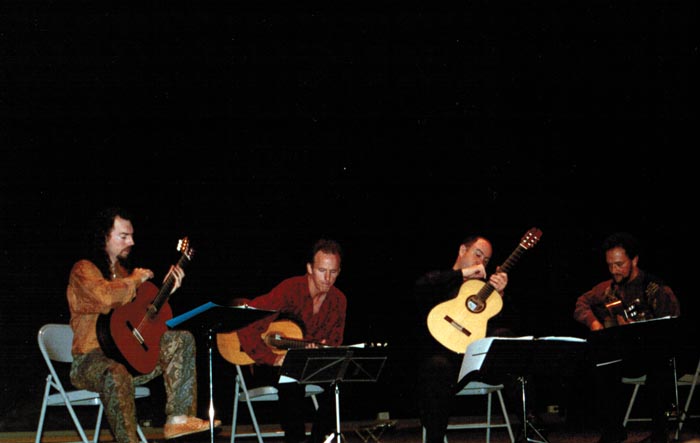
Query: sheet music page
{"x": 563, "y": 338}
{"x": 476, "y": 353}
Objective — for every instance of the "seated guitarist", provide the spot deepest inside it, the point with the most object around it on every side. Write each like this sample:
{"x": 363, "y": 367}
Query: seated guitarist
{"x": 320, "y": 307}
{"x": 438, "y": 366}
{"x": 99, "y": 282}
{"x": 629, "y": 295}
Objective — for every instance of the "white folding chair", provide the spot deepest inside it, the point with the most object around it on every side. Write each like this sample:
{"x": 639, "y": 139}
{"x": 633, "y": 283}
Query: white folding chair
{"x": 263, "y": 393}
{"x": 686, "y": 380}
{"x": 55, "y": 341}
{"x": 480, "y": 388}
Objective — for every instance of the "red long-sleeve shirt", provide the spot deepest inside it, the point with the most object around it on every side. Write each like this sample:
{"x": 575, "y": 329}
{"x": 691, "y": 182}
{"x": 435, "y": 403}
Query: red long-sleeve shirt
{"x": 291, "y": 298}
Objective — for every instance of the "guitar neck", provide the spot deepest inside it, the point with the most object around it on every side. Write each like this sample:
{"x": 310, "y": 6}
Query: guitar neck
{"x": 487, "y": 289}
{"x": 167, "y": 287}
{"x": 512, "y": 259}
{"x": 280, "y": 342}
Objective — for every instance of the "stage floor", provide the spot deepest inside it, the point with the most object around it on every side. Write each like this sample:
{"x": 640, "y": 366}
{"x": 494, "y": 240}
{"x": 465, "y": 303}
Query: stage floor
{"x": 391, "y": 431}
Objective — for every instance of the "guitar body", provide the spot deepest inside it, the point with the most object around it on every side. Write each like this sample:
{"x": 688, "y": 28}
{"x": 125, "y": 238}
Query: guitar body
{"x": 457, "y": 322}
{"x": 230, "y": 349}
{"x": 114, "y": 331}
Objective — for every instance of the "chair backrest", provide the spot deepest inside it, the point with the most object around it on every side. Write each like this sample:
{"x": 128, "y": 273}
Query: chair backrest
{"x": 55, "y": 342}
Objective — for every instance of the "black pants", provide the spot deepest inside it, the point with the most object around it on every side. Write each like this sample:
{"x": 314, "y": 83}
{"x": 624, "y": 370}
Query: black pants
{"x": 293, "y": 405}
{"x": 611, "y": 401}
{"x": 438, "y": 386}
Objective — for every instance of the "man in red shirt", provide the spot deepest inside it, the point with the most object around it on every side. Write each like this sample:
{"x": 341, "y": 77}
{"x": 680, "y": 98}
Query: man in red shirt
{"x": 319, "y": 308}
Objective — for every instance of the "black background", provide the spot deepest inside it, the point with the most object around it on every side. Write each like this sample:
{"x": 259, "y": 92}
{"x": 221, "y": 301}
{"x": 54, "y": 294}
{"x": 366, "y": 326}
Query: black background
{"x": 395, "y": 128}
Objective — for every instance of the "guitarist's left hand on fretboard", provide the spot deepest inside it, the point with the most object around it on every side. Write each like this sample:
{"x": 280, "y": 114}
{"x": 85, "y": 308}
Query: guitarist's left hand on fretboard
{"x": 499, "y": 281}
{"x": 178, "y": 274}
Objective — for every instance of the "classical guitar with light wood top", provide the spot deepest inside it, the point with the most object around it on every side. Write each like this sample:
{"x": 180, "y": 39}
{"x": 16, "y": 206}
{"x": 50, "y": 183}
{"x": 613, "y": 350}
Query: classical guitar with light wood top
{"x": 457, "y": 322}
{"x": 280, "y": 336}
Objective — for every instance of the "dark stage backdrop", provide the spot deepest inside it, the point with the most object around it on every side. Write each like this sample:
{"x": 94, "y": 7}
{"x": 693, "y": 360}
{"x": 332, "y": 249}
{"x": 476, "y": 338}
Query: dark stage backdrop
{"x": 396, "y": 129}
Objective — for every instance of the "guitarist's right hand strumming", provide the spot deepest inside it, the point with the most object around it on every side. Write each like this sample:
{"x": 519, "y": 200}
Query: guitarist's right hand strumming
{"x": 475, "y": 271}
{"x": 142, "y": 274}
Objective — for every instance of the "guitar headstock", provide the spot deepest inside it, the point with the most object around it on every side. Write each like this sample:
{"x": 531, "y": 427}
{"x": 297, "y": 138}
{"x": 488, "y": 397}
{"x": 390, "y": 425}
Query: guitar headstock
{"x": 531, "y": 237}
{"x": 183, "y": 245}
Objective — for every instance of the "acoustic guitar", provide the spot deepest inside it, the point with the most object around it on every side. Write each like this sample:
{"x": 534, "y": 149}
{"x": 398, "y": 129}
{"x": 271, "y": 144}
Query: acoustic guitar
{"x": 280, "y": 336}
{"x": 458, "y": 322}
{"x": 130, "y": 334}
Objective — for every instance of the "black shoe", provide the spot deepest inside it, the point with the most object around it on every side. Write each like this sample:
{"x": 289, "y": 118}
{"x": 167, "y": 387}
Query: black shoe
{"x": 536, "y": 422}
{"x": 656, "y": 437}
{"x": 613, "y": 437}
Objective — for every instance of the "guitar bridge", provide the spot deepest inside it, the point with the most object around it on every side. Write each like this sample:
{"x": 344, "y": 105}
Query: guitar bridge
{"x": 457, "y": 326}
{"x": 137, "y": 335}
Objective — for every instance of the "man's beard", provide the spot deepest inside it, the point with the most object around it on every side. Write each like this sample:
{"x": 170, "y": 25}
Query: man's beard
{"x": 623, "y": 280}
{"x": 123, "y": 258}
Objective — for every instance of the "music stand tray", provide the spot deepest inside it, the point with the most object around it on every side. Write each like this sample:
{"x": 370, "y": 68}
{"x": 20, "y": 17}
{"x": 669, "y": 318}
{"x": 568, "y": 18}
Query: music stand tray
{"x": 215, "y": 317}
{"x": 330, "y": 365}
{"x": 657, "y": 337}
{"x": 334, "y": 365}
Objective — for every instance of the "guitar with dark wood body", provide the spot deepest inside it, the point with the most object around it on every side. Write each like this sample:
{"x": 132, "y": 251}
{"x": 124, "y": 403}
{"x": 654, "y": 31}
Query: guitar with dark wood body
{"x": 130, "y": 334}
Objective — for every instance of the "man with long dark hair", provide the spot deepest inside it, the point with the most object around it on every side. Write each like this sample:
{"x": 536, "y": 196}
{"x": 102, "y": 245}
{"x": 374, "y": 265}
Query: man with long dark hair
{"x": 99, "y": 282}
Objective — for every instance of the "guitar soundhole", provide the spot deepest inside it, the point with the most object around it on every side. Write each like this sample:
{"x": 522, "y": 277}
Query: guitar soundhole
{"x": 475, "y": 305}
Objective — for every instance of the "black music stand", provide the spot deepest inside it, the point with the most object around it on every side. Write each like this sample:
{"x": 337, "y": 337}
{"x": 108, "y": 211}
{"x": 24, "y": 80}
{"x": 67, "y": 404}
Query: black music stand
{"x": 521, "y": 357}
{"x": 214, "y": 318}
{"x": 334, "y": 365}
{"x": 658, "y": 336}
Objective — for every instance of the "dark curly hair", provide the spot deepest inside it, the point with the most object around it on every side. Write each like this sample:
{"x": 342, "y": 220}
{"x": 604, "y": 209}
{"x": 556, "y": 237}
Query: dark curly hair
{"x": 96, "y": 235}
{"x": 624, "y": 240}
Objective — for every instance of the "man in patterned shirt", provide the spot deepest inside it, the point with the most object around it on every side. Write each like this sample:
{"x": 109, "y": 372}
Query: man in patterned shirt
{"x": 103, "y": 280}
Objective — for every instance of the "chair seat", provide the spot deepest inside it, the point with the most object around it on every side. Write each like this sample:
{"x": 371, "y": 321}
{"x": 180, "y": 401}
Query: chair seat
{"x": 84, "y": 397}
{"x": 686, "y": 380}
{"x": 634, "y": 380}
{"x": 76, "y": 398}
{"x": 479, "y": 388}
{"x": 269, "y": 393}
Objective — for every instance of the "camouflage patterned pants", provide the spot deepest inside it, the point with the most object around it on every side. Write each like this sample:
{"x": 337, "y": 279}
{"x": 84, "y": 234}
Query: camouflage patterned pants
{"x": 95, "y": 372}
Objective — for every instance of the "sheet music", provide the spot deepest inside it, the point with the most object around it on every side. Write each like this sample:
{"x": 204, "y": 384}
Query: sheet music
{"x": 563, "y": 338}
{"x": 476, "y": 353}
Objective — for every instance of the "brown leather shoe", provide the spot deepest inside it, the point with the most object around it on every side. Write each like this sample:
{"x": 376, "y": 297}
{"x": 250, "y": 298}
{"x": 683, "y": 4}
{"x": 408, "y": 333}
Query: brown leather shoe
{"x": 191, "y": 426}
